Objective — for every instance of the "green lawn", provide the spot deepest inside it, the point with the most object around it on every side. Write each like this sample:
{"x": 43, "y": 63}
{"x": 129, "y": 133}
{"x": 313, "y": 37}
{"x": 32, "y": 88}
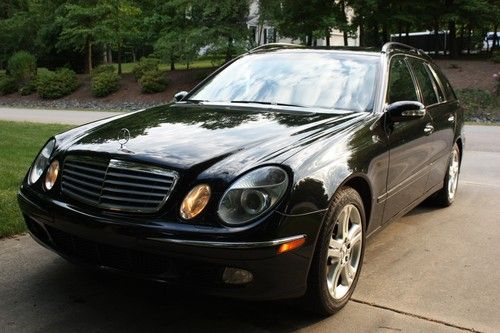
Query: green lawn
{"x": 19, "y": 143}
{"x": 200, "y": 63}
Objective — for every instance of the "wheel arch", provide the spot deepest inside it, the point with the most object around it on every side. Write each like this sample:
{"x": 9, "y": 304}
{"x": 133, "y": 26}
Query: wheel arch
{"x": 361, "y": 184}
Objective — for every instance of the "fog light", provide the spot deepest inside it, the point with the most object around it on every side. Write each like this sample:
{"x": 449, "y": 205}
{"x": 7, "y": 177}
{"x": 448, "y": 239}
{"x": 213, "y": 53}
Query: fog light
{"x": 236, "y": 276}
{"x": 51, "y": 176}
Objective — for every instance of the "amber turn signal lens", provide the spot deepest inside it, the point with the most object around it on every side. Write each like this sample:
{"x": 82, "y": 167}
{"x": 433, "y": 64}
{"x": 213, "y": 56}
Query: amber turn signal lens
{"x": 51, "y": 176}
{"x": 195, "y": 201}
{"x": 291, "y": 245}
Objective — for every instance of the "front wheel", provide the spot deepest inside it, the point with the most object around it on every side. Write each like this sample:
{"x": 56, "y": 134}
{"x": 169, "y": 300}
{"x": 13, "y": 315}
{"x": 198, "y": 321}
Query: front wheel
{"x": 339, "y": 254}
{"x": 446, "y": 195}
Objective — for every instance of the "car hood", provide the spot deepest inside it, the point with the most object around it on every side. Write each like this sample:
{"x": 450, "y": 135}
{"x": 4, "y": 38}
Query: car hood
{"x": 186, "y": 136}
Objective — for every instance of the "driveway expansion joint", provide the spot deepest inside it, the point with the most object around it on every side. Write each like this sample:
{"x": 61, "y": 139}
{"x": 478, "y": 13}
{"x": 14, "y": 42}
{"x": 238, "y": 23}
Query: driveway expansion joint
{"x": 383, "y": 307}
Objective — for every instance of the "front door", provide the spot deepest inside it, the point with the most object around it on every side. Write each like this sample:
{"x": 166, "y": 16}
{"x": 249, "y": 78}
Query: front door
{"x": 409, "y": 143}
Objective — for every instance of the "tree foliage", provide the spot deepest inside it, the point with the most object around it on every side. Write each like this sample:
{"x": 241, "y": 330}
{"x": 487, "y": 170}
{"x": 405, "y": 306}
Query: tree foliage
{"x": 85, "y": 33}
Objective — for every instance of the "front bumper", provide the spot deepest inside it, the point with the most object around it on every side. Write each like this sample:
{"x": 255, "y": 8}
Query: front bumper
{"x": 154, "y": 253}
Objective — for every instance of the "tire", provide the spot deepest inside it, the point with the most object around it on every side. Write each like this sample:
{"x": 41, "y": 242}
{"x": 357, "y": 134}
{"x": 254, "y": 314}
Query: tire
{"x": 330, "y": 286}
{"x": 446, "y": 196}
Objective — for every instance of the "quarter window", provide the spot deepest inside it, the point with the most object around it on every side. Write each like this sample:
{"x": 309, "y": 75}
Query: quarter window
{"x": 401, "y": 86}
{"x": 435, "y": 83}
{"x": 425, "y": 82}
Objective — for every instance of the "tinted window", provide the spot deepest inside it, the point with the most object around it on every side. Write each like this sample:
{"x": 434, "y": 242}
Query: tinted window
{"x": 316, "y": 79}
{"x": 425, "y": 82}
{"x": 435, "y": 83}
{"x": 450, "y": 94}
{"x": 401, "y": 87}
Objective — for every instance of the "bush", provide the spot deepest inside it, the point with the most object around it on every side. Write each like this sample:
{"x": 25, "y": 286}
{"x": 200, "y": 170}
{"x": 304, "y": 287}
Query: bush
{"x": 52, "y": 85}
{"x": 22, "y": 67}
{"x": 104, "y": 83}
{"x": 7, "y": 85}
{"x": 153, "y": 82}
{"x": 103, "y": 69}
{"x": 476, "y": 102}
{"x": 28, "y": 88}
{"x": 145, "y": 65}
{"x": 496, "y": 57}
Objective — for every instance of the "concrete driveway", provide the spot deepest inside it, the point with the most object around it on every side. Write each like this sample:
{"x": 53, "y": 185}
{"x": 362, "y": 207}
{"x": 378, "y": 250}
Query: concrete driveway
{"x": 434, "y": 270}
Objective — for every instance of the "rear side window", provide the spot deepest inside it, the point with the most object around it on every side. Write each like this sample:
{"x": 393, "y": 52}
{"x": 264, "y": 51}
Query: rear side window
{"x": 401, "y": 86}
{"x": 448, "y": 90}
{"x": 436, "y": 83}
{"x": 425, "y": 82}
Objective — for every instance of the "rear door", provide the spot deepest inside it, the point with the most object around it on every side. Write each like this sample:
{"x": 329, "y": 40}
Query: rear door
{"x": 409, "y": 144}
{"x": 443, "y": 119}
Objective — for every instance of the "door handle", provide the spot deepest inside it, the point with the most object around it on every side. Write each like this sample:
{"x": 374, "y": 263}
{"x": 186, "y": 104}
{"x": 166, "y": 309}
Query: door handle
{"x": 428, "y": 129}
{"x": 451, "y": 118}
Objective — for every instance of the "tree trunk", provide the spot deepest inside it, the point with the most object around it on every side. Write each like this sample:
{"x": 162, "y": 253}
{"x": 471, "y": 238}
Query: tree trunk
{"x": 469, "y": 39}
{"x": 89, "y": 57}
{"x": 110, "y": 54}
{"x": 172, "y": 63}
{"x": 119, "y": 59}
{"x": 407, "y": 34}
{"x": 361, "y": 33}
{"x": 344, "y": 16}
{"x": 495, "y": 38}
{"x": 327, "y": 37}
{"x": 229, "y": 49}
{"x": 436, "y": 36}
{"x": 134, "y": 56}
{"x": 385, "y": 33}
{"x": 452, "y": 43}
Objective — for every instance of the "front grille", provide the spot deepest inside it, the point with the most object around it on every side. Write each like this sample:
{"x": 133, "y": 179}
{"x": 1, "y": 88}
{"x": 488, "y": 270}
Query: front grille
{"x": 117, "y": 185}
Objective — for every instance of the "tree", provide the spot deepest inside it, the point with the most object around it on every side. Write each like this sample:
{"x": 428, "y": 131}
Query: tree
{"x": 223, "y": 23}
{"x": 82, "y": 28}
{"x": 119, "y": 26}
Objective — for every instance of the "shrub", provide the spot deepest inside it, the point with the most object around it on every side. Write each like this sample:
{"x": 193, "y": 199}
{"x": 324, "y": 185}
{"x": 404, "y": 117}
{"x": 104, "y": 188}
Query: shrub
{"x": 104, "y": 83}
{"x": 496, "y": 57}
{"x": 22, "y": 67}
{"x": 52, "y": 85}
{"x": 153, "y": 82}
{"x": 103, "y": 69}
{"x": 476, "y": 102}
{"x": 7, "y": 85}
{"x": 28, "y": 88}
{"x": 145, "y": 65}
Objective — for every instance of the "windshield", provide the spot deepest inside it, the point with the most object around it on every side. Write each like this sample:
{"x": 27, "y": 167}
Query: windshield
{"x": 312, "y": 79}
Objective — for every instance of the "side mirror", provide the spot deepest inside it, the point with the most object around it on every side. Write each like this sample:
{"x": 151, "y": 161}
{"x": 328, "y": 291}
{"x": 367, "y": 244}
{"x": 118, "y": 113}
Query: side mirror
{"x": 405, "y": 111}
{"x": 180, "y": 96}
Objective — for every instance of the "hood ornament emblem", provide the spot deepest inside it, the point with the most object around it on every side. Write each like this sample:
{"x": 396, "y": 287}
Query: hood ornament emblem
{"x": 123, "y": 139}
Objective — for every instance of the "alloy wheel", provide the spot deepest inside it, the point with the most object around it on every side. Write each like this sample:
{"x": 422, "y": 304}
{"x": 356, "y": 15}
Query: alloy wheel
{"x": 453, "y": 172}
{"x": 344, "y": 251}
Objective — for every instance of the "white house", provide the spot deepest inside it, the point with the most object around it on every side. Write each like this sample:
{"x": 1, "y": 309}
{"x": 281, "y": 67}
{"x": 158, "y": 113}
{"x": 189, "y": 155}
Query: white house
{"x": 265, "y": 33}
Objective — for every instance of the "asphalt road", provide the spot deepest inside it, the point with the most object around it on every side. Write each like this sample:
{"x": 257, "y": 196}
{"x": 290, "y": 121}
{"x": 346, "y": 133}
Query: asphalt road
{"x": 434, "y": 270}
{"x": 69, "y": 117}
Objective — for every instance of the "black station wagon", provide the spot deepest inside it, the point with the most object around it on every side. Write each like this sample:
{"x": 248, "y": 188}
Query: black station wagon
{"x": 263, "y": 182}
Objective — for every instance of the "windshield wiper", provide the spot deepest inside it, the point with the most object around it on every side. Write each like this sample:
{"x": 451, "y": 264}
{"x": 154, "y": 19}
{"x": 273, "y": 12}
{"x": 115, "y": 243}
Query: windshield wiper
{"x": 266, "y": 103}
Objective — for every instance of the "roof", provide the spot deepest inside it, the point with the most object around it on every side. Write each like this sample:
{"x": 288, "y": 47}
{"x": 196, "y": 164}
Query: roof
{"x": 387, "y": 48}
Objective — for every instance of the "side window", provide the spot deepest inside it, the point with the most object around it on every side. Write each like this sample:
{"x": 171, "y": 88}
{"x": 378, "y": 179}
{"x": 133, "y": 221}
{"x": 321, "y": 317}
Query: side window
{"x": 401, "y": 86}
{"x": 436, "y": 83}
{"x": 425, "y": 82}
{"x": 450, "y": 94}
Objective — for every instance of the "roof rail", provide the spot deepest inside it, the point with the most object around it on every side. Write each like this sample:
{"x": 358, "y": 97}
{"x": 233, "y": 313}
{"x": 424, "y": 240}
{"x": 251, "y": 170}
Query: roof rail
{"x": 273, "y": 45}
{"x": 400, "y": 46}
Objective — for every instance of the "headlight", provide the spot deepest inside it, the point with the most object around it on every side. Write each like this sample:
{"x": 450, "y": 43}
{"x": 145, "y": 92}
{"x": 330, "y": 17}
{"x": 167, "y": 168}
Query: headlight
{"x": 253, "y": 195}
{"x": 41, "y": 162}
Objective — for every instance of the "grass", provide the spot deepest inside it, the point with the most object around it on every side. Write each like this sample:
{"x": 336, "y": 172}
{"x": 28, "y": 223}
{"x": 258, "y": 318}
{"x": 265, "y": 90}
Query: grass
{"x": 19, "y": 144}
{"x": 199, "y": 63}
